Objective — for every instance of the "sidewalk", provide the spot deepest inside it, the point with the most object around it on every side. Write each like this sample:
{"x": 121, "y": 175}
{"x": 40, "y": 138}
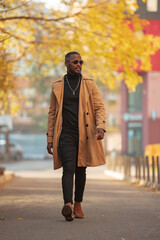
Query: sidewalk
{"x": 114, "y": 210}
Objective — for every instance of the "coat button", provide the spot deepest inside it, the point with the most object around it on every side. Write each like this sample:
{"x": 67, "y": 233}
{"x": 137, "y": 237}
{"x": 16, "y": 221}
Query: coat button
{"x": 86, "y": 125}
{"x": 87, "y": 113}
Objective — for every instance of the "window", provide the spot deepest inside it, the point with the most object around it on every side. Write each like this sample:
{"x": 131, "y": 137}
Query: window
{"x": 134, "y": 139}
{"x": 135, "y": 100}
{"x": 152, "y": 5}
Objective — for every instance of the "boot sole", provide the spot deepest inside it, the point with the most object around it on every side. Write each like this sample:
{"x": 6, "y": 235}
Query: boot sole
{"x": 67, "y": 213}
{"x": 78, "y": 217}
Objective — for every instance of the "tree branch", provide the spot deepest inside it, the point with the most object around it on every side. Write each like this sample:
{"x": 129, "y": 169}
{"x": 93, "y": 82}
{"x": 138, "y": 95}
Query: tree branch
{"x": 3, "y": 19}
{"x": 38, "y": 18}
{"x": 11, "y": 9}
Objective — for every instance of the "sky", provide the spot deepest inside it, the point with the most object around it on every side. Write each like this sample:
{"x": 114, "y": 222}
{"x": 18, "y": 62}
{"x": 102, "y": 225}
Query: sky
{"x": 55, "y": 3}
{"x": 51, "y": 3}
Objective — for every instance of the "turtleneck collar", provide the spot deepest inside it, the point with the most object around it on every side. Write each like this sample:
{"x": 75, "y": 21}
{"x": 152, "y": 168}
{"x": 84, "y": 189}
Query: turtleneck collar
{"x": 73, "y": 76}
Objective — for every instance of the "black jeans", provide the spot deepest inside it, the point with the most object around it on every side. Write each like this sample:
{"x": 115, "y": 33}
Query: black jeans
{"x": 68, "y": 147}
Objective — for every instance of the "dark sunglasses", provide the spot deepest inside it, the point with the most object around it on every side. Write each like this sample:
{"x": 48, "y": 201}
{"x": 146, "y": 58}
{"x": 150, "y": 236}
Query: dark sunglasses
{"x": 76, "y": 62}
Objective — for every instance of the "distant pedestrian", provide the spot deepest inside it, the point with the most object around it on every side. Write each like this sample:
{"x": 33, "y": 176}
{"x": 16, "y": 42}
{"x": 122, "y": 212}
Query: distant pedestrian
{"x": 76, "y": 124}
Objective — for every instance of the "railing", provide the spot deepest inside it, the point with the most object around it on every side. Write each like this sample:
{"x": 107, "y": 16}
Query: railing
{"x": 137, "y": 169}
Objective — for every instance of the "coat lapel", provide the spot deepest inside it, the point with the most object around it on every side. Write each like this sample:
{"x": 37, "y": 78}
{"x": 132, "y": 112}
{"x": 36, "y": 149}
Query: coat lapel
{"x": 85, "y": 92}
{"x": 58, "y": 90}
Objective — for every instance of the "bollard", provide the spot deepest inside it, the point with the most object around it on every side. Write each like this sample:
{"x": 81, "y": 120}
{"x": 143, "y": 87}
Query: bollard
{"x": 127, "y": 159}
{"x": 124, "y": 169}
{"x": 158, "y": 170}
{"x": 136, "y": 172}
{"x": 120, "y": 163}
{"x": 139, "y": 168}
{"x": 129, "y": 166}
{"x": 153, "y": 170}
{"x": 124, "y": 165}
{"x": 144, "y": 169}
{"x": 137, "y": 160}
{"x": 148, "y": 172}
{"x": 118, "y": 159}
{"x": 109, "y": 163}
{"x": 114, "y": 164}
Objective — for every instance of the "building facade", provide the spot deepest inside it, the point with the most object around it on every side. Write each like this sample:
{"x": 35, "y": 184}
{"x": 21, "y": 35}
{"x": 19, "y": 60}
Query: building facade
{"x": 141, "y": 109}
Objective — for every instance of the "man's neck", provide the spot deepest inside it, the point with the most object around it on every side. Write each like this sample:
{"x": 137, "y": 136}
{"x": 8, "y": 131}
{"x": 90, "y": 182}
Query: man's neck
{"x": 73, "y": 76}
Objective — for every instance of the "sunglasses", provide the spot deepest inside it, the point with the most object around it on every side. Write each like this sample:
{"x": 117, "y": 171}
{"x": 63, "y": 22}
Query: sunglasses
{"x": 76, "y": 62}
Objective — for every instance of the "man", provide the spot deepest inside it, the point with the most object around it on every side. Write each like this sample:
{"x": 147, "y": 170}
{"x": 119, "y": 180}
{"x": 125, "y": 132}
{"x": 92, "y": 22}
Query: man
{"x": 76, "y": 124}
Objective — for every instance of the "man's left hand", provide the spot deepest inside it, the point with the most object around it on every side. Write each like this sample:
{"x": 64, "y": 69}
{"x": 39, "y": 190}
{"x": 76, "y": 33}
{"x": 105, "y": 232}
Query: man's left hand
{"x": 99, "y": 133}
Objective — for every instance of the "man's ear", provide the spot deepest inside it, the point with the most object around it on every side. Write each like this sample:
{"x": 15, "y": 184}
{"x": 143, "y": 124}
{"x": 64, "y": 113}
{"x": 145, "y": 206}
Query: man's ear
{"x": 66, "y": 64}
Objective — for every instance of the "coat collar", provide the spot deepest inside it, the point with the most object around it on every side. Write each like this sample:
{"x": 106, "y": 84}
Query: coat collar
{"x": 84, "y": 94}
{"x": 58, "y": 87}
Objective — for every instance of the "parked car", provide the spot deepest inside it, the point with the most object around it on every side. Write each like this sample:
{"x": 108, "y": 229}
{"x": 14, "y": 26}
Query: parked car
{"x": 16, "y": 151}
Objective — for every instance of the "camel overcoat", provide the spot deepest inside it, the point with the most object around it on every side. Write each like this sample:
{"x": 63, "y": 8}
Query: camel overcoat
{"x": 91, "y": 116}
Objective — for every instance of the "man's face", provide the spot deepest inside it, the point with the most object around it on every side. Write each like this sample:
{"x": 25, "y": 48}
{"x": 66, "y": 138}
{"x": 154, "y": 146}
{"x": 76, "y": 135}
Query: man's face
{"x": 74, "y": 64}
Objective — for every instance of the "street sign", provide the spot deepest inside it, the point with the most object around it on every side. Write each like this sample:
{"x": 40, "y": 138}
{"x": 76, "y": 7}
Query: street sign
{"x": 132, "y": 116}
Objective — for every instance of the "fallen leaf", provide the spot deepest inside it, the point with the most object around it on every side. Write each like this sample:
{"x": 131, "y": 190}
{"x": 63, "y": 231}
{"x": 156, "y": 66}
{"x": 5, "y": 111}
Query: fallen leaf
{"x": 123, "y": 239}
{"x": 19, "y": 218}
{"x": 129, "y": 228}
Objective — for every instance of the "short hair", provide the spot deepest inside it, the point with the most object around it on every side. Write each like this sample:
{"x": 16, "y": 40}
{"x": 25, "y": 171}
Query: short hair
{"x": 70, "y": 54}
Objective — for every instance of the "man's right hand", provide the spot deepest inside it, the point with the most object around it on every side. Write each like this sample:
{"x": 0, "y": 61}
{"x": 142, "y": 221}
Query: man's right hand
{"x": 50, "y": 148}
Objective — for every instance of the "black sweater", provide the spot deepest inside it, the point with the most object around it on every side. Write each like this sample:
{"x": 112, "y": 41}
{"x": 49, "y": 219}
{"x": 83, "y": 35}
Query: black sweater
{"x": 71, "y": 104}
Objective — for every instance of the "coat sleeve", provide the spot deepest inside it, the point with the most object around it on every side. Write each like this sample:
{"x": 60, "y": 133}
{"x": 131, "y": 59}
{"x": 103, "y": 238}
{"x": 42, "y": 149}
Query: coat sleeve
{"x": 51, "y": 117}
{"x": 99, "y": 108}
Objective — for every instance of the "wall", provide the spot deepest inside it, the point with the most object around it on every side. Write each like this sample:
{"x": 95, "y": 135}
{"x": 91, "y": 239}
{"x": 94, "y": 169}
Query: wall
{"x": 154, "y": 104}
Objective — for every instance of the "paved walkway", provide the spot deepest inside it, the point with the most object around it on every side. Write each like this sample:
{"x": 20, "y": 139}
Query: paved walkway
{"x": 114, "y": 210}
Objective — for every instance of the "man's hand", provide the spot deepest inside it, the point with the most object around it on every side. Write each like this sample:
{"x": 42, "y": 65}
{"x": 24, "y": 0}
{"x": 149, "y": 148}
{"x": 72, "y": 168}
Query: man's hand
{"x": 50, "y": 148}
{"x": 99, "y": 133}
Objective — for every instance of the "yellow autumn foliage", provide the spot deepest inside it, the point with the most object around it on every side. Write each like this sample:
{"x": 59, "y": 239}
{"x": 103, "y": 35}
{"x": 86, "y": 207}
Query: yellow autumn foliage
{"x": 108, "y": 34}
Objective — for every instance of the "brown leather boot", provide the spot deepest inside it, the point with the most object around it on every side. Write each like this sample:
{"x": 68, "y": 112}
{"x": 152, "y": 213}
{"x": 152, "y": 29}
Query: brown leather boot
{"x": 67, "y": 211}
{"x": 78, "y": 210}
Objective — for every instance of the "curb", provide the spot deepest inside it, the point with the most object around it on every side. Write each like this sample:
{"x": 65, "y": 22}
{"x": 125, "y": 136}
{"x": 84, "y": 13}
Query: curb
{"x": 113, "y": 174}
{"x": 6, "y": 177}
{"x": 121, "y": 176}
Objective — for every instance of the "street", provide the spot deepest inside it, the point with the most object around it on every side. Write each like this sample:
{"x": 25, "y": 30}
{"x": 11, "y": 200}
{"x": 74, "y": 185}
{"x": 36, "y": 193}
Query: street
{"x": 30, "y": 208}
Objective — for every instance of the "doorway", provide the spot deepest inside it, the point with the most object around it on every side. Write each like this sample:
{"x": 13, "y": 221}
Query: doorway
{"x": 134, "y": 146}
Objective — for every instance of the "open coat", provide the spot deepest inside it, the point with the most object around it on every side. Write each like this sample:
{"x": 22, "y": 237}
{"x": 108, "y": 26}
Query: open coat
{"x": 91, "y": 116}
